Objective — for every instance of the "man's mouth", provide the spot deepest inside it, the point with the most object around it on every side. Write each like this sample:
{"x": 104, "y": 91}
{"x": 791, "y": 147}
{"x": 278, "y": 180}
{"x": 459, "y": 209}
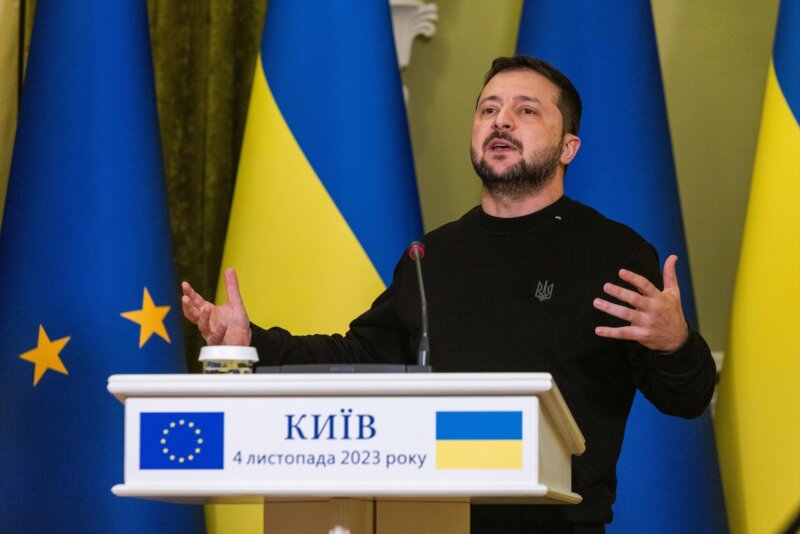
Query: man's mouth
{"x": 499, "y": 142}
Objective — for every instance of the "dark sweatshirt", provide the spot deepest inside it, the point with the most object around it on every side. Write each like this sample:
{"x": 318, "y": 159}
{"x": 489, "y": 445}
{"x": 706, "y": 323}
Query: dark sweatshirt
{"x": 515, "y": 295}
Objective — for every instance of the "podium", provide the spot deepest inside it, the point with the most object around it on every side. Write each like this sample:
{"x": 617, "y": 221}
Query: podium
{"x": 364, "y": 453}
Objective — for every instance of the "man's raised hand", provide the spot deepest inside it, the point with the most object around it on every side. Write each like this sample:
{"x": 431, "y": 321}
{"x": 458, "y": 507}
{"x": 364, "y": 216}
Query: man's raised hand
{"x": 227, "y": 324}
{"x": 655, "y": 317}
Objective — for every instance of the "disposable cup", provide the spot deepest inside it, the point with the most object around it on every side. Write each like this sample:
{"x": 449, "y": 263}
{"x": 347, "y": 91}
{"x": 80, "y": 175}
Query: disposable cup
{"x": 228, "y": 359}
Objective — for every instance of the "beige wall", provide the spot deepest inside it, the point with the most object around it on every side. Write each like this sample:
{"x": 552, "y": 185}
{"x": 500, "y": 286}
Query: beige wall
{"x": 714, "y": 57}
{"x": 440, "y": 108}
{"x": 444, "y": 78}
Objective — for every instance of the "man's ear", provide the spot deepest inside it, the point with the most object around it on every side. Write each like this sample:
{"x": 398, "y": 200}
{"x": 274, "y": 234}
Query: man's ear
{"x": 569, "y": 148}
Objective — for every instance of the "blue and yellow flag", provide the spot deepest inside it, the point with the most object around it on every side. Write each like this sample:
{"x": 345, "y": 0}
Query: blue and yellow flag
{"x": 326, "y": 198}
{"x": 758, "y": 411}
{"x": 478, "y": 440}
{"x": 668, "y": 472}
{"x": 86, "y": 275}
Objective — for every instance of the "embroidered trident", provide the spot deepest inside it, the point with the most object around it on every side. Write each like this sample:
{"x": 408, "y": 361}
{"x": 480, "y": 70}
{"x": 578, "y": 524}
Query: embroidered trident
{"x": 544, "y": 291}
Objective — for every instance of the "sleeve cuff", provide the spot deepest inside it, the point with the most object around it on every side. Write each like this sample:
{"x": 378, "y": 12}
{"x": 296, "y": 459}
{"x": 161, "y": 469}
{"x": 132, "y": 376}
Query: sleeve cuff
{"x": 268, "y": 344}
{"x": 685, "y": 360}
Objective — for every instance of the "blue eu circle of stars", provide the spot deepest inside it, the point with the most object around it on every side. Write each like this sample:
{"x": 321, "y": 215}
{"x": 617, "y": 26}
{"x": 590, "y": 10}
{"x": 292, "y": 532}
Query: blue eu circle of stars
{"x": 181, "y": 441}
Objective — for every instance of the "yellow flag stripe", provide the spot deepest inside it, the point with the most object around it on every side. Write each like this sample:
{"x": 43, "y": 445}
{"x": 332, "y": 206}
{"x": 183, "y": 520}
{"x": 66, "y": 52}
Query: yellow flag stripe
{"x": 758, "y": 416}
{"x": 299, "y": 264}
{"x": 479, "y": 454}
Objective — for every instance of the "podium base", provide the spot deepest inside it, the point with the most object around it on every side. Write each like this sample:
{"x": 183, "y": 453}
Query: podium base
{"x": 362, "y": 516}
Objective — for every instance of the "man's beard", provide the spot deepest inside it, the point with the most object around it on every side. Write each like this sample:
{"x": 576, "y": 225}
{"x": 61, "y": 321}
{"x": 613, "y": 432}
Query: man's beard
{"x": 523, "y": 178}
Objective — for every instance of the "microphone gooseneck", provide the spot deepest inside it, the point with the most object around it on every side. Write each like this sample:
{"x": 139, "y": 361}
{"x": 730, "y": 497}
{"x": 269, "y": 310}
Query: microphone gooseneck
{"x": 417, "y": 251}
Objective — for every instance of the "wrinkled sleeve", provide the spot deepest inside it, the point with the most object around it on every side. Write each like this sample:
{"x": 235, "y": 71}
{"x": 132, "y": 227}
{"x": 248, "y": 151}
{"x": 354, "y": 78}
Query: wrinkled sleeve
{"x": 680, "y": 383}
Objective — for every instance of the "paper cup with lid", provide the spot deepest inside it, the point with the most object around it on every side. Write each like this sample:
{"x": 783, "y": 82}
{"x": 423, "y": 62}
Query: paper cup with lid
{"x": 228, "y": 359}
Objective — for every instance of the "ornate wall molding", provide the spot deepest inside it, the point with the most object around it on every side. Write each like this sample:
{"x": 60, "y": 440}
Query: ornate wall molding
{"x": 411, "y": 18}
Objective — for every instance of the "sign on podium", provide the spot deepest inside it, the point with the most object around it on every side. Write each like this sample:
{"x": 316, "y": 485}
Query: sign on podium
{"x": 364, "y": 452}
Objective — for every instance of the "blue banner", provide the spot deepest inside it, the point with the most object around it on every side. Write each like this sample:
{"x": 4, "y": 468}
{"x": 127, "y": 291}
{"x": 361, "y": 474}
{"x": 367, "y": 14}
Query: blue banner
{"x": 668, "y": 474}
{"x": 479, "y": 425}
{"x": 86, "y": 275}
{"x": 343, "y": 61}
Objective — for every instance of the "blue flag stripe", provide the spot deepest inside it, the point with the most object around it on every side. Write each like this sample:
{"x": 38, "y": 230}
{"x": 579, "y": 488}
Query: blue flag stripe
{"x": 348, "y": 118}
{"x": 786, "y": 55}
{"x": 618, "y": 76}
{"x": 478, "y": 425}
{"x": 611, "y": 57}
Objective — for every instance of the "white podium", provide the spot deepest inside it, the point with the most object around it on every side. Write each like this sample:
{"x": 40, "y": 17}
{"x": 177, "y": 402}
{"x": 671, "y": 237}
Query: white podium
{"x": 349, "y": 452}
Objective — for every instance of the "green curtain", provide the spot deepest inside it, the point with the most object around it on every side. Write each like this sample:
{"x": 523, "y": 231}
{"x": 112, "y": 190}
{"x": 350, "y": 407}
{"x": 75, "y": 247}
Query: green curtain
{"x": 204, "y": 54}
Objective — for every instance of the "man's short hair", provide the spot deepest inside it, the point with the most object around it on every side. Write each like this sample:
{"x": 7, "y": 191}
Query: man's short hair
{"x": 569, "y": 101}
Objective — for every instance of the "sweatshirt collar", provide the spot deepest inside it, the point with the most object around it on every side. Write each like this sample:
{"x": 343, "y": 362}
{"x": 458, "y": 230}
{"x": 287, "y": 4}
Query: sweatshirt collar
{"x": 517, "y": 225}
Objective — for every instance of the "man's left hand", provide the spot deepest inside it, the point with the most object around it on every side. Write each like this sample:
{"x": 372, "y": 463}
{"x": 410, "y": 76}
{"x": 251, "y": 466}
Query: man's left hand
{"x": 655, "y": 317}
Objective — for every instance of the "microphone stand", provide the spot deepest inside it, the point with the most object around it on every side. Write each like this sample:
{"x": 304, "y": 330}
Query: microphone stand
{"x": 424, "y": 352}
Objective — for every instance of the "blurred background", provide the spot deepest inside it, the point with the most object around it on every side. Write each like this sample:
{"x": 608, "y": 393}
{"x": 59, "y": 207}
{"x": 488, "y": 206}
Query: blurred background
{"x": 714, "y": 59}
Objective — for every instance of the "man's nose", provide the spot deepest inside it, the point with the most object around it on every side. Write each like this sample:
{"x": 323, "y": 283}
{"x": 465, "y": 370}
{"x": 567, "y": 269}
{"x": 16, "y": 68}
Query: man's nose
{"x": 503, "y": 121}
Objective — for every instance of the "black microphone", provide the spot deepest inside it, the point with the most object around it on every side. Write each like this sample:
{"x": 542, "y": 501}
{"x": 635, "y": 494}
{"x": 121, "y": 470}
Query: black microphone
{"x": 417, "y": 251}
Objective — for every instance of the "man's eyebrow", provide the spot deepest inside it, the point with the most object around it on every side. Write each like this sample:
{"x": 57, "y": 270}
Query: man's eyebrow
{"x": 524, "y": 98}
{"x": 491, "y": 98}
{"x": 520, "y": 98}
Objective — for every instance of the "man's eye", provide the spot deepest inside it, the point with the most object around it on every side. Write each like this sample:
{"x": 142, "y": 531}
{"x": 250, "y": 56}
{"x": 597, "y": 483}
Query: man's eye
{"x": 487, "y": 111}
{"x": 528, "y": 111}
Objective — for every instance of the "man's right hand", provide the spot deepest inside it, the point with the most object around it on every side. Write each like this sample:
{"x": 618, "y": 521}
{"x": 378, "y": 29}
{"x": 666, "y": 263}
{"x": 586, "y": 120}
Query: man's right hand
{"x": 227, "y": 324}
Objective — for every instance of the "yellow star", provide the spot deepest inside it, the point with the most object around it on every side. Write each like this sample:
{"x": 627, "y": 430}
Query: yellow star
{"x": 150, "y": 318}
{"x": 45, "y": 355}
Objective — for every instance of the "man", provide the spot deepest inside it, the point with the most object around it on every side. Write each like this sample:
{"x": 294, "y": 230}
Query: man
{"x": 523, "y": 283}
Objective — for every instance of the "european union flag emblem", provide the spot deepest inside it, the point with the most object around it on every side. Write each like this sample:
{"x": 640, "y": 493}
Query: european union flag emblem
{"x": 190, "y": 440}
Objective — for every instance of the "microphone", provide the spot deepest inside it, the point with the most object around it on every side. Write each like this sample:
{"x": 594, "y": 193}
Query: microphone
{"x": 417, "y": 251}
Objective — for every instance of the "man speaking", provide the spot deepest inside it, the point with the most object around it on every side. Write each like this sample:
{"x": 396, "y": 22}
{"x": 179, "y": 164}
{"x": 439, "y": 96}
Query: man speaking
{"x": 529, "y": 281}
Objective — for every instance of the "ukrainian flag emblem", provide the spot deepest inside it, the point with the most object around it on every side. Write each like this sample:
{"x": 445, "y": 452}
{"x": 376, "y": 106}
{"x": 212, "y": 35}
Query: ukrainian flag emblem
{"x": 478, "y": 440}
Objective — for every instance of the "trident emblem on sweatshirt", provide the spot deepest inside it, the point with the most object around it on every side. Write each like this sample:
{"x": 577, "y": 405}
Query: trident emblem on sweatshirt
{"x": 544, "y": 291}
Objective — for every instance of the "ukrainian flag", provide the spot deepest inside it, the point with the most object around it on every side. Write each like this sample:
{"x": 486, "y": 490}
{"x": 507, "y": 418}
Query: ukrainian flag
{"x": 478, "y": 440}
{"x": 758, "y": 408}
{"x": 610, "y": 54}
{"x": 326, "y": 199}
